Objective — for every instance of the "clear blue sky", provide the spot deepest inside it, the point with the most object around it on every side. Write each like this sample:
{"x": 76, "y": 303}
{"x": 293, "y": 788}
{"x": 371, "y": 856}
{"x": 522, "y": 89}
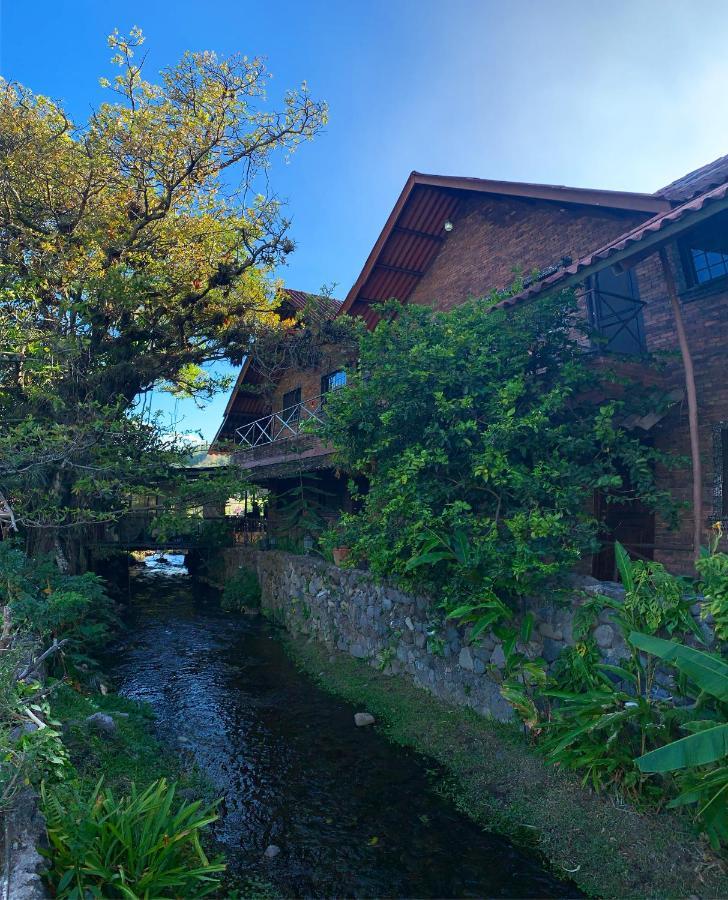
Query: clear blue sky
{"x": 626, "y": 94}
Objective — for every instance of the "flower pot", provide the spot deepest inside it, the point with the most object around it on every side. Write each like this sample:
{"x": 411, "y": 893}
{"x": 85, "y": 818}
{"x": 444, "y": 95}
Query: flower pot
{"x": 340, "y": 554}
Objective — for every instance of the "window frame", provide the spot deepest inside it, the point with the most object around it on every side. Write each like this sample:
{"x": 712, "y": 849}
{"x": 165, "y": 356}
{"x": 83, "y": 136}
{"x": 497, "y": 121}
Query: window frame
{"x": 327, "y": 386}
{"x": 596, "y": 316}
{"x": 694, "y": 287}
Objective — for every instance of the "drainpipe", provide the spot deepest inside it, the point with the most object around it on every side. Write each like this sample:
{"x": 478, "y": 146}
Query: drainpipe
{"x": 687, "y": 361}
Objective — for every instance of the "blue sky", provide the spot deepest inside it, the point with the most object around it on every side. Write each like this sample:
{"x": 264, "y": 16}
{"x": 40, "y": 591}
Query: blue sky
{"x": 621, "y": 95}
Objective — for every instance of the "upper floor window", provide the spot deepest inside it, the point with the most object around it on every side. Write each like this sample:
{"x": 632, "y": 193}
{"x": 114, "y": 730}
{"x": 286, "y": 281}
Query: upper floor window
{"x": 291, "y": 409}
{"x": 705, "y": 252}
{"x": 332, "y": 381}
{"x": 615, "y": 311}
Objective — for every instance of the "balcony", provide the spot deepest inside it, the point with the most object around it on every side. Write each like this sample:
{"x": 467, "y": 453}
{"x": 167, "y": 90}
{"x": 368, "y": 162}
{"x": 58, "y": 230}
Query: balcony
{"x": 280, "y": 426}
{"x": 272, "y": 445}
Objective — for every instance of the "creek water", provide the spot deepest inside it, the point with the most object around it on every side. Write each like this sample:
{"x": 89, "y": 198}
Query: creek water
{"x": 353, "y": 814}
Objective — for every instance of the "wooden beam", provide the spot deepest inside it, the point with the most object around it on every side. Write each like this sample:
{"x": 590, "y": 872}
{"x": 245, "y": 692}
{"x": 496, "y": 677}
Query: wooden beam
{"x": 400, "y": 229}
{"x": 415, "y": 273}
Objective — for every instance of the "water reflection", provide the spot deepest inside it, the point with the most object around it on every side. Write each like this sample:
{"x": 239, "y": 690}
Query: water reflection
{"x": 353, "y": 815}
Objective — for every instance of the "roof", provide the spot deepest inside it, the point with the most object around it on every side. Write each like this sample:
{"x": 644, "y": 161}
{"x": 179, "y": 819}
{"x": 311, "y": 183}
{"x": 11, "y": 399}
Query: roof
{"x": 697, "y": 182}
{"x": 413, "y": 233}
{"x": 251, "y": 406}
{"x": 317, "y": 306}
{"x": 645, "y": 237}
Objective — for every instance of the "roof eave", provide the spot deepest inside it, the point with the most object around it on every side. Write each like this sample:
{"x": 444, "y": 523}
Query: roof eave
{"x": 642, "y": 248}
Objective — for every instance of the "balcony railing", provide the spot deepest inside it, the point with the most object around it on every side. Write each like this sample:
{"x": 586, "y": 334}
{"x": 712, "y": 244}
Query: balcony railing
{"x": 281, "y": 426}
{"x": 618, "y": 318}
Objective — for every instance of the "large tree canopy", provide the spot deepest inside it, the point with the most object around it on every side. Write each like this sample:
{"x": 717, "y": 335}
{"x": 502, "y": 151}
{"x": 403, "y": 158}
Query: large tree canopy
{"x": 133, "y": 249}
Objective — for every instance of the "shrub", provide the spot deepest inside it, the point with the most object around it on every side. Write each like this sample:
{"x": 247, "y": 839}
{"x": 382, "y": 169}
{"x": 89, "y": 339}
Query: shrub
{"x": 700, "y": 758}
{"x": 140, "y": 846}
{"x": 713, "y": 569}
{"x": 242, "y": 591}
{"x": 482, "y": 424}
{"x": 49, "y": 605}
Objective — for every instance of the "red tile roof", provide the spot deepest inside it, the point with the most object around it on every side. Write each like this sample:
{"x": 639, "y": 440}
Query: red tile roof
{"x": 318, "y": 306}
{"x": 635, "y": 239}
{"x": 696, "y": 182}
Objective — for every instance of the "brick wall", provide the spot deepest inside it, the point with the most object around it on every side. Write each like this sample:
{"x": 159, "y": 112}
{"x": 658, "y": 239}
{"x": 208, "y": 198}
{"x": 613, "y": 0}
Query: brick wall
{"x": 494, "y": 234}
{"x": 309, "y": 380}
{"x": 706, "y": 322}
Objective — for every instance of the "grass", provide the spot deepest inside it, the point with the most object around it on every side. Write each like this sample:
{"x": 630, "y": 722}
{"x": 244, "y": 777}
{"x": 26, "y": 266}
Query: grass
{"x": 134, "y": 754}
{"x": 493, "y": 776}
{"x": 131, "y": 754}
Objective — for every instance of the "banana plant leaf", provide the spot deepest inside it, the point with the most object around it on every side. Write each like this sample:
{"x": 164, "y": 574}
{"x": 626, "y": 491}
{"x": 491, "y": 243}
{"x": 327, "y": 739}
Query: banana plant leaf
{"x": 697, "y": 749}
{"x": 707, "y": 671}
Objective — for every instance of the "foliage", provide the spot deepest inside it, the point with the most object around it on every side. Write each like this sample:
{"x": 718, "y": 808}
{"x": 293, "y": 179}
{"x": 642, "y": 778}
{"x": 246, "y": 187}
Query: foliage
{"x": 144, "y": 845}
{"x": 299, "y": 511}
{"x": 31, "y": 748}
{"x": 597, "y": 717}
{"x": 713, "y": 570}
{"x": 52, "y": 606}
{"x": 701, "y": 757}
{"x": 131, "y": 256}
{"x": 482, "y": 427}
{"x": 242, "y": 591}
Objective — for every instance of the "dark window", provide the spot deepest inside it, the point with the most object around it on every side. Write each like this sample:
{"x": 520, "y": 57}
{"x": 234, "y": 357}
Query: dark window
{"x": 720, "y": 470}
{"x": 332, "y": 381}
{"x": 705, "y": 251}
{"x": 291, "y": 411}
{"x": 615, "y": 311}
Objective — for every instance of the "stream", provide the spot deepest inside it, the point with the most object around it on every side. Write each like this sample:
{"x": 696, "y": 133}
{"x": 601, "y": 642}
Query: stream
{"x": 353, "y": 814}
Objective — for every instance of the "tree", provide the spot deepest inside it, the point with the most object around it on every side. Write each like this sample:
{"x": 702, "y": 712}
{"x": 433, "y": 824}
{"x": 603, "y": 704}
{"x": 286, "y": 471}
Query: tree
{"x": 133, "y": 250}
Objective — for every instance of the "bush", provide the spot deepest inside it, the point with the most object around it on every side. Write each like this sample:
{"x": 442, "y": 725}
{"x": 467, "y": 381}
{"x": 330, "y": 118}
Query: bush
{"x": 50, "y": 605}
{"x": 140, "y": 846}
{"x": 241, "y": 592}
{"x": 487, "y": 425}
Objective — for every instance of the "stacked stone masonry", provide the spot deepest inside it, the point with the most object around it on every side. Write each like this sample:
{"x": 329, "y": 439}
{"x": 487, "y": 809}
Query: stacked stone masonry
{"x": 346, "y": 610}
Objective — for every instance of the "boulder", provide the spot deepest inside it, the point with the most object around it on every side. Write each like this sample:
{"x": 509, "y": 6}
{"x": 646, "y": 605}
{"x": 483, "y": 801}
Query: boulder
{"x": 101, "y": 722}
{"x": 271, "y": 851}
{"x": 363, "y": 718}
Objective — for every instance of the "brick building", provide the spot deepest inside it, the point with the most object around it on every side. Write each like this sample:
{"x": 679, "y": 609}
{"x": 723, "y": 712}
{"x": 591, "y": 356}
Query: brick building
{"x": 449, "y": 239}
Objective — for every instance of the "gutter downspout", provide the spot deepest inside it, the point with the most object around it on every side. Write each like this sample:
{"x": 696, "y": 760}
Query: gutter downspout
{"x": 692, "y": 398}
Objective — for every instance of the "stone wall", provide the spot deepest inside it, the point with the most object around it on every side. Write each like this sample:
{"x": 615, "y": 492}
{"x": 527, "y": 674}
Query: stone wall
{"x": 348, "y": 611}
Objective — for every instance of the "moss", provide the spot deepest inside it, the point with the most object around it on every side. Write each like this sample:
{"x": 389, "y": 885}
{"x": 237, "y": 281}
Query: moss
{"x": 131, "y": 754}
{"x": 607, "y": 848}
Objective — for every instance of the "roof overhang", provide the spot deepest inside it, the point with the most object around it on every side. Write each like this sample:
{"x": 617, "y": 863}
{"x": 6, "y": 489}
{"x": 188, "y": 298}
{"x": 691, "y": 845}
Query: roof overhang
{"x": 630, "y": 248}
{"x": 413, "y": 232}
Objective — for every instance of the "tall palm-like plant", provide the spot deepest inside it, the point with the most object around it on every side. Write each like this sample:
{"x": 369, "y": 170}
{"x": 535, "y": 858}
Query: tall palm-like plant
{"x": 699, "y": 760}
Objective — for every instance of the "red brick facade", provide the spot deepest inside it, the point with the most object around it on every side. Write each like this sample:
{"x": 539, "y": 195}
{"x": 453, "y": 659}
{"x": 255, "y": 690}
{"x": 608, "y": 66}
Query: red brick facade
{"x": 492, "y": 236}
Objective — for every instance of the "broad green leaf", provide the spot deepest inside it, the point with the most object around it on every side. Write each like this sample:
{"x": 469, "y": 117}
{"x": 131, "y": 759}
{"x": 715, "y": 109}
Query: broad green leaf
{"x": 707, "y": 671}
{"x": 694, "y": 750}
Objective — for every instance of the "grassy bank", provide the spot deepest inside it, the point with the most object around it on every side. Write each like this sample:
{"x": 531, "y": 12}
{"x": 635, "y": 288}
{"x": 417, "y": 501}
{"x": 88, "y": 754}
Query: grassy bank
{"x": 607, "y": 848}
{"x": 132, "y": 753}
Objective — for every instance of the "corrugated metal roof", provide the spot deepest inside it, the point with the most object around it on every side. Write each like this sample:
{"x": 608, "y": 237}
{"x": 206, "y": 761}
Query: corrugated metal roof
{"x": 697, "y": 182}
{"x": 413, "y": 233}
{"x": 318, "y": 306}
{"x": 636, "y": 236}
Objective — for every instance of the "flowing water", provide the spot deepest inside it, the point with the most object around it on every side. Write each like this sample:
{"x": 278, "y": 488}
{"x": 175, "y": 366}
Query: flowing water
{"x": 354, "y": 815}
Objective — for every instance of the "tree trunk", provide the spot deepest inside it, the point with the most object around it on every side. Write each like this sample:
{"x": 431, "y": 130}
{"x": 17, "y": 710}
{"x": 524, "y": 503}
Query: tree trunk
{"x": 692, "y": 396}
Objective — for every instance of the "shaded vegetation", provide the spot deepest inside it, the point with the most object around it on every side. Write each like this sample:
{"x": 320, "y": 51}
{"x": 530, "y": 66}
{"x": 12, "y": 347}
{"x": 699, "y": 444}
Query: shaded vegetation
{"x": 609, "y": 849}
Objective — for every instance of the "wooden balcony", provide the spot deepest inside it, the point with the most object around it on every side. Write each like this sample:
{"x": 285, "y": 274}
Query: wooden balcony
{"x": 283, "y": 442}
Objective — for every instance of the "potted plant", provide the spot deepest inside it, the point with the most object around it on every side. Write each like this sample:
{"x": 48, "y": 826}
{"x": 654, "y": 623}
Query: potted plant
{"x": 333, "y": 545}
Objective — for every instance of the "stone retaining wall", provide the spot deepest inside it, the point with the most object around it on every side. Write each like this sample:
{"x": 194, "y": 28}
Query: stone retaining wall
{"x": 347, "y": 610}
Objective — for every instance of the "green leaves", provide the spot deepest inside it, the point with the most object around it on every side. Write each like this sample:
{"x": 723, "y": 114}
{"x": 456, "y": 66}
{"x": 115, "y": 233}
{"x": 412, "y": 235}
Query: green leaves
{"x": 698, "y": 749}
{"x": 479, "y": 442}
{"x": 708, "y": 672}
{"x": 143, "y": 845}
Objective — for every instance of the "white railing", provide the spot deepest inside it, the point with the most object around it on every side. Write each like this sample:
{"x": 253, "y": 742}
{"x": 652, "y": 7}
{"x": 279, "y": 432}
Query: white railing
{"x": 280, "y": 426}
